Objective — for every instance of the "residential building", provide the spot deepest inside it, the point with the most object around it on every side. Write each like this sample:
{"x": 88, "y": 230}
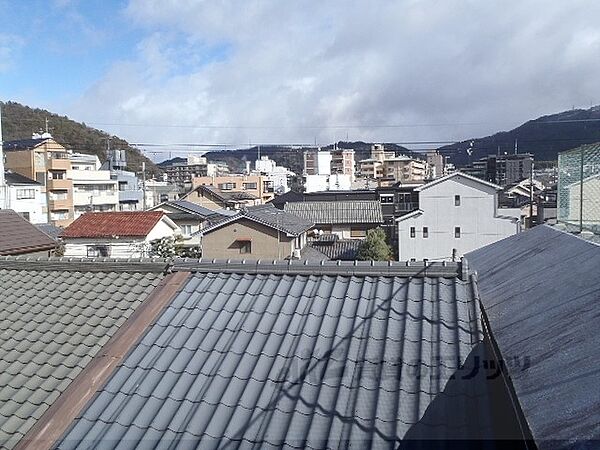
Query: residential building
{"x": 19, "y": 237}
{"x": 25, "y": 197}
{"x": 509, "y": 169}
{"x": 46, "y": 161}
{"x": 436, "y": 165}
{"x": 181, "y": 171}
{"x": 156, "y": 192}
{"x": 94, "y": 190}
{"x": 333, "y": 182}
{"x": 259, "y": 232}
{"x": 117, "y": 234}
{"x": 157, "y": 358}
{"x": 191, "y": 218}
{"x": 347, "y": 219}
{"x": 131, "y": 193}
{"x": 342, "y": 162}
{"x": 216, "y": 199}
{"x": 258, "y": 186}
{"x": 278, "y": 175}
{"x": 317, "y": 162}
{"x": 457, "y": 214}
{"x": 385, "y": 165}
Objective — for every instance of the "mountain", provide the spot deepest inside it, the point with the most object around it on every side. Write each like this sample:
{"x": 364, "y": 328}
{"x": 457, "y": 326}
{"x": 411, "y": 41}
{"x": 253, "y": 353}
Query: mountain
{"x": 20, "y": 121}
{"x": 545, "y": 137}
{"x": 293, "y": 157}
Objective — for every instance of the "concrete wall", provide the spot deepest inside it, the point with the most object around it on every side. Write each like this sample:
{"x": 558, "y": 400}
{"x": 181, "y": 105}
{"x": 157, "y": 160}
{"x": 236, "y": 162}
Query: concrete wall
{"x": 221, "y": 243}
{"x": 476, "y": 217}
{"x": 34, "y": 207}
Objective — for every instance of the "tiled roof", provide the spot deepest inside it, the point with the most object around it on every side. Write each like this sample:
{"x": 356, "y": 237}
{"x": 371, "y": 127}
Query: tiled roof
{"x": 18, "y": 236}
{"x": 298, "y": 361}
{"x": 14, "y": 179}
{"x": 53, "y": 323}
{"x": 267, "y": 215}
{"x": 22, "y": 144}
{"x": 344, "y": 212}
{"x": 110, "y": 224}
{"x": 49, "y": 230}
{"x": 338, "y": 249}
{"x": 192, "y": 207}
{"x": 541, "y": 290}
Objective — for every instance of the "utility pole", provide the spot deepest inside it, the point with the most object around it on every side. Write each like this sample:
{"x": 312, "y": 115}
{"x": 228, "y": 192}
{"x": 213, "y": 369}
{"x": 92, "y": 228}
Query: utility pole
{"x": 144, "y": 183}
{"x": 581, "y": 155}
{"x": 3, "y": 188}
{"x": 531, "y": 196}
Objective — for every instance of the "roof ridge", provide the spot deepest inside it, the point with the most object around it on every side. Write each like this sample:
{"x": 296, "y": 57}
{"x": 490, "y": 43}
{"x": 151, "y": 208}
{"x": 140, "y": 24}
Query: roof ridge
{"x": 84, "y": 264}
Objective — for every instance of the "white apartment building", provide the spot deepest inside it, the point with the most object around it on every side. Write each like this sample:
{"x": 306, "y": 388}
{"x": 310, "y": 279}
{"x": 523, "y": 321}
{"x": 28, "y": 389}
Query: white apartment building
{"x": 333, "y": 182}
{"x": 25, "y": 197}
{"x": 93, "y": 189}
{"x": 278, "y": 175}
{"x": 457, "y": 213}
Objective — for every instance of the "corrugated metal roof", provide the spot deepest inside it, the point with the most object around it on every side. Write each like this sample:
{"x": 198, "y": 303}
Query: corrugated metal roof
{"x": 541, "y": 290}
{"x": 295, "y": 360}
{"x": 359, "y": 212}
{"x": 53, "y": 323}
{"x": 18, "y": 236}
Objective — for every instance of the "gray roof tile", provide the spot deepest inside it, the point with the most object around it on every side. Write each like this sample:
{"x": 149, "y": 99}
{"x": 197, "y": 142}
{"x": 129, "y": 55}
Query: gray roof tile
{"x": 343, "y": 212}
{"x": 540, "y": 290}
{"x": 53, "y": 323}
{"x": 294, "y": 360}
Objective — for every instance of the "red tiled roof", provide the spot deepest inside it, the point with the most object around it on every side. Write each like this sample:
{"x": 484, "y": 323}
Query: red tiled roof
{"x": 109, "y": 224}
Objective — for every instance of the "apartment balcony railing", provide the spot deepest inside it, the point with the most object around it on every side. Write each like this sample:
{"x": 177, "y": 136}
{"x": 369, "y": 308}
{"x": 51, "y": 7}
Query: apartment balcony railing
{"x": 59, "y": 184}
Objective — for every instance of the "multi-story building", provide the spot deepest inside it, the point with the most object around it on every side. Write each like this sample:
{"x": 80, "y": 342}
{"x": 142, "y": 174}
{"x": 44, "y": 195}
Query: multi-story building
{"x": 342, "y": 162}
{"x": 131, "y": 194}
{"x": 435, "y": 165}
{"x": 93, "y": 189}
{"x": 457, "y": 214}
{"x": 181, "y": 171}
{"x": 505, "y": 170}
{"x": 44, "y": 160}
{"x": 256, "y": 185}
{"x": 317, "y": 162}
{"x": 386, "y": 165}
{"x": 156, "y": 192}
{"x": 24, "y": 196}
{"x": 277, "y": 174}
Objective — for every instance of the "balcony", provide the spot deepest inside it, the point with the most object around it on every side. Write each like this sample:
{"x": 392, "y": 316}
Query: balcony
{"x": 59, "y": 164}
{"x": 59, "y": 204}
{"x": 57, "y": 184}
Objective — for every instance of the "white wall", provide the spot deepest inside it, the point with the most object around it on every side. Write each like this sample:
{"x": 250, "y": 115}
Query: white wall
{"x": 124, "y": 247}
{"x": 476, "y": 216}
{"x": 35, "y": 206}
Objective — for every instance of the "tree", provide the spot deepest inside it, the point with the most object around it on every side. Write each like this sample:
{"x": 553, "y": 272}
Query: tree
{"x": 169, "y": 247}
{"x": 374, "y": 247}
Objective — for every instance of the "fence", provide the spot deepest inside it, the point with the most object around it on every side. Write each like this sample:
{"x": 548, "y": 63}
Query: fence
{"x": 579, "y": 188}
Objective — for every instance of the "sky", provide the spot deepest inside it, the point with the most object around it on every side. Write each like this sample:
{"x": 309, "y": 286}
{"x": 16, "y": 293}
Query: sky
{"x": 242, "y": 72}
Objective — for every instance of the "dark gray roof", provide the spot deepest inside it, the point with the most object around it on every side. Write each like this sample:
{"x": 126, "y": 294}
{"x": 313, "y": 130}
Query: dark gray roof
{"x": 267, "y": 215}
{"x": 192, "y": 207}
{"x": 53, "y": 323}
{"x": 344, "y": 212}
{"x": 18, "y": 236}
{"x": 14, "y": 179}
{"x": 337, "y": 249}
{"x": 541, "y": 290}
{"x": 296, "y": 360}
{"x": 22, "y": 144}
{"x": 50, "y": 230}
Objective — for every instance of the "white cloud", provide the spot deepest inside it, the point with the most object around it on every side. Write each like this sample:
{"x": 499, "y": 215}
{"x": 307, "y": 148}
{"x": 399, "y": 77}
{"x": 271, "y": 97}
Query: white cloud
{"x": 297, "y": 65}
{"x": 10, "y": 45}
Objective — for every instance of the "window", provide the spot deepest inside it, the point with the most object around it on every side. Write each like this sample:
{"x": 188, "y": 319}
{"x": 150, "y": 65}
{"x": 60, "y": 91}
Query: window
{"x": 226, "y": 186}
{"x": 357, "y": 233}
{"x": 249, "y": 185}
{"x": 186, "y": 229}
{"x": 24, "y": 215}
{"x": 457, "y": 200}
{"x": 387, "y": 198}
{"x": 412, "y": 232}
{"x": 457, "y": 232}
{"x": 245, "y": 246}
{"x": 425, "y": 232}
{"x": 23, "y": 194}
{"x": 95, "y": 251}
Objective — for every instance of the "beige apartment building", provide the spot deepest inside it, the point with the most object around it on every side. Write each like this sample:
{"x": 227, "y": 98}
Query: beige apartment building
{"x": 385, "y": 165}
{"x": 47, "y": 162}
{"x": 258, "y": 186}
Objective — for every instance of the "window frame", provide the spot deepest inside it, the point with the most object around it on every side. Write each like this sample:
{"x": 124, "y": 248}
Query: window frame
{"x": 457, "y": 200}
{"x": 457, "y": 232}
{"x": 425, "y": 232}
{"x": 413, "y": 232}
